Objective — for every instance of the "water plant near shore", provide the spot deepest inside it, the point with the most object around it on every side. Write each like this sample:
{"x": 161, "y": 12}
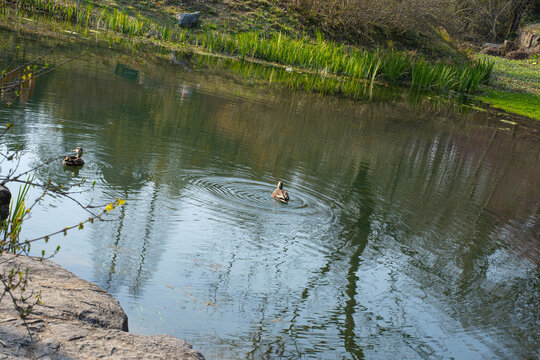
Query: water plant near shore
{"x": 259, "y": 74}
{"x": 310, "y": 82}
{"x": 330, "y": 57}
{"x": 317, "y": 55}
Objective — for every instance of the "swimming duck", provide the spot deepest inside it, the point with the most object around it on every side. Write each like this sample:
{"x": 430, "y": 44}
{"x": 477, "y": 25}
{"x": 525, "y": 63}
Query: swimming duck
{"x": 279, "y": 194}
{"x": 74, "y": 160}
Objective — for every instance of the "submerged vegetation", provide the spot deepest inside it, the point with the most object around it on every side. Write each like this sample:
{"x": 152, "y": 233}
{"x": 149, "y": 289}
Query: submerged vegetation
{"x": 326, "y": 58}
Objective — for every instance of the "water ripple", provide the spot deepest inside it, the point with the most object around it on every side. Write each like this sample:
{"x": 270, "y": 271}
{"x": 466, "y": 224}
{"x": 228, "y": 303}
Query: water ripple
{"x": 240, "y": 193}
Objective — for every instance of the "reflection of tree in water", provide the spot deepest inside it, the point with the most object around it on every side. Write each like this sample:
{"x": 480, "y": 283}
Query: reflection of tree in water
{"x": 485, "y": 243}
{"x": 138, "y": 281}
{"x": 456, "y": 254}
{"x": 116, "y": 245}
{"x": 473, "y": 260}
{"x": 357, "y": 231}
{"x": 356, "y": 210}
{"x": 135, "y": 247}
{"x": 141, "y": 267}
{"x": 460, "y": 195}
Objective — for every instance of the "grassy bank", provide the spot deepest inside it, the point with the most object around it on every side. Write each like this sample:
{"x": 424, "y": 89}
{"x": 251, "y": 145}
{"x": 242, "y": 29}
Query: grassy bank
{"x": 305, "y": 53}
{"x": 519, "y": 103}
{"x": 515, "y": 86}
{"x": 339, "y": 68}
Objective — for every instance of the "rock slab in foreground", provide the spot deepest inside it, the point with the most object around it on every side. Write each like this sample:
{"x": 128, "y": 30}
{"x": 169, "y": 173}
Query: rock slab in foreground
{"x": 77, "y": 320}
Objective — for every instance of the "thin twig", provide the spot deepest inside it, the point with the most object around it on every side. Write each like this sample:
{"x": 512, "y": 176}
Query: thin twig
{"x": 36, "y": 59}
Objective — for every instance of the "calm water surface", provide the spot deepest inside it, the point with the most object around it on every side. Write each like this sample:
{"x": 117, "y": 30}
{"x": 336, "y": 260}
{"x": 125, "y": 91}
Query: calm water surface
{"x": 412, "y": 230}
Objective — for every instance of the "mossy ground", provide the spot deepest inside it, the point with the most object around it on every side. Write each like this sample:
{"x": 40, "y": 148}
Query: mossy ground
{"x": 534, "y": 28}
{"x": 515, "y": 86}
{"x": 520, "y": 103}
{"x": 230, "y": 15}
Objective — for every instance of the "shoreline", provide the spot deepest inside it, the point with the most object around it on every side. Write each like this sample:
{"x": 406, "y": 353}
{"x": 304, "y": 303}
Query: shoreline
{"x": 339, "y": 60}
{"x": 77, "y": 319}
{"x": 512, "y": 101}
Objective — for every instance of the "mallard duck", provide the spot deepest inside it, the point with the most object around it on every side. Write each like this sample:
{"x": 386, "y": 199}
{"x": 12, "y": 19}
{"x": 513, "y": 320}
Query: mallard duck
{"x": 279, "y": 194}
{"x": 74, "y": 160}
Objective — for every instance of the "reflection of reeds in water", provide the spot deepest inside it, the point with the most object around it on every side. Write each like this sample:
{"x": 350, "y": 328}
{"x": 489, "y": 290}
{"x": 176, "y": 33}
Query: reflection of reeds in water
{"x": 344, "y": 86}
{"x": 317, "y": 55}
{"x": 312, "y": 82}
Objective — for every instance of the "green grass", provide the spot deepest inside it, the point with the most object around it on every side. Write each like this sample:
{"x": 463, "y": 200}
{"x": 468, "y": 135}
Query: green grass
{"x": 112, "y": 19}
{"x": 330, "y": 57}
{"x": 515, "y": 86}
{"x": 11, "y": 227}
{"x": 520, "y": 103}
{"x": 518, "y": 75}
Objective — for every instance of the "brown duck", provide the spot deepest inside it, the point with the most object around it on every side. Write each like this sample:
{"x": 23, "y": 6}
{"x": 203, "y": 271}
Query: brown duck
{"x": 279, "y": 194}
{"x": 74, "y": 160}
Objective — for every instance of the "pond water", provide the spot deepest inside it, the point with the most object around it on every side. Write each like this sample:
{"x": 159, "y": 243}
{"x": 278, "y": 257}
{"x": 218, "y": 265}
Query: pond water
{"x": 412, "y": 230}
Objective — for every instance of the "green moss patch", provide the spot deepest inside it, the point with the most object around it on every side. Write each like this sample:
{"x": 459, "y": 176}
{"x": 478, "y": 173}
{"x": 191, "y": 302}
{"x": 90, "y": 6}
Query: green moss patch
{"x": 515, "y": 102}
{"x": 515, "y": 86}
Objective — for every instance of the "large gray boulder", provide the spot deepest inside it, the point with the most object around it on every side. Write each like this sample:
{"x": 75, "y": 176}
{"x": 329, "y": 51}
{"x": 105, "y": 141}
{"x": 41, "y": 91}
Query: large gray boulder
{"x": 77, "y": 320}
{"x": 189, "y": 20}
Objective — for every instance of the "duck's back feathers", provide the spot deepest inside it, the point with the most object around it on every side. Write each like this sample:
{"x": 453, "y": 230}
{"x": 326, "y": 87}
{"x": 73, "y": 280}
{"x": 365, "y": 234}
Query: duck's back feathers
{"x": 280, "y": 195}
{"x": 73, "y": 161}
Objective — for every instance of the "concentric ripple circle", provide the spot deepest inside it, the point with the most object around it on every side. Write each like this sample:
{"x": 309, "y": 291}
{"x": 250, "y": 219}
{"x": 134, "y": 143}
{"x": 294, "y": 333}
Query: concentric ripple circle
{"x": 252, "y": 195}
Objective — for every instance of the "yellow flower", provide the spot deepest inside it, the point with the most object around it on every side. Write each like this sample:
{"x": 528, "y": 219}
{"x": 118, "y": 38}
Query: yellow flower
{"x": 109, "y": 207}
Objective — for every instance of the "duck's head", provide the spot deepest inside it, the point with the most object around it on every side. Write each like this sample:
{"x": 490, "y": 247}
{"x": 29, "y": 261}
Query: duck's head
{"x": 280, "y": 185}
{"x": 78, "y": 151}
